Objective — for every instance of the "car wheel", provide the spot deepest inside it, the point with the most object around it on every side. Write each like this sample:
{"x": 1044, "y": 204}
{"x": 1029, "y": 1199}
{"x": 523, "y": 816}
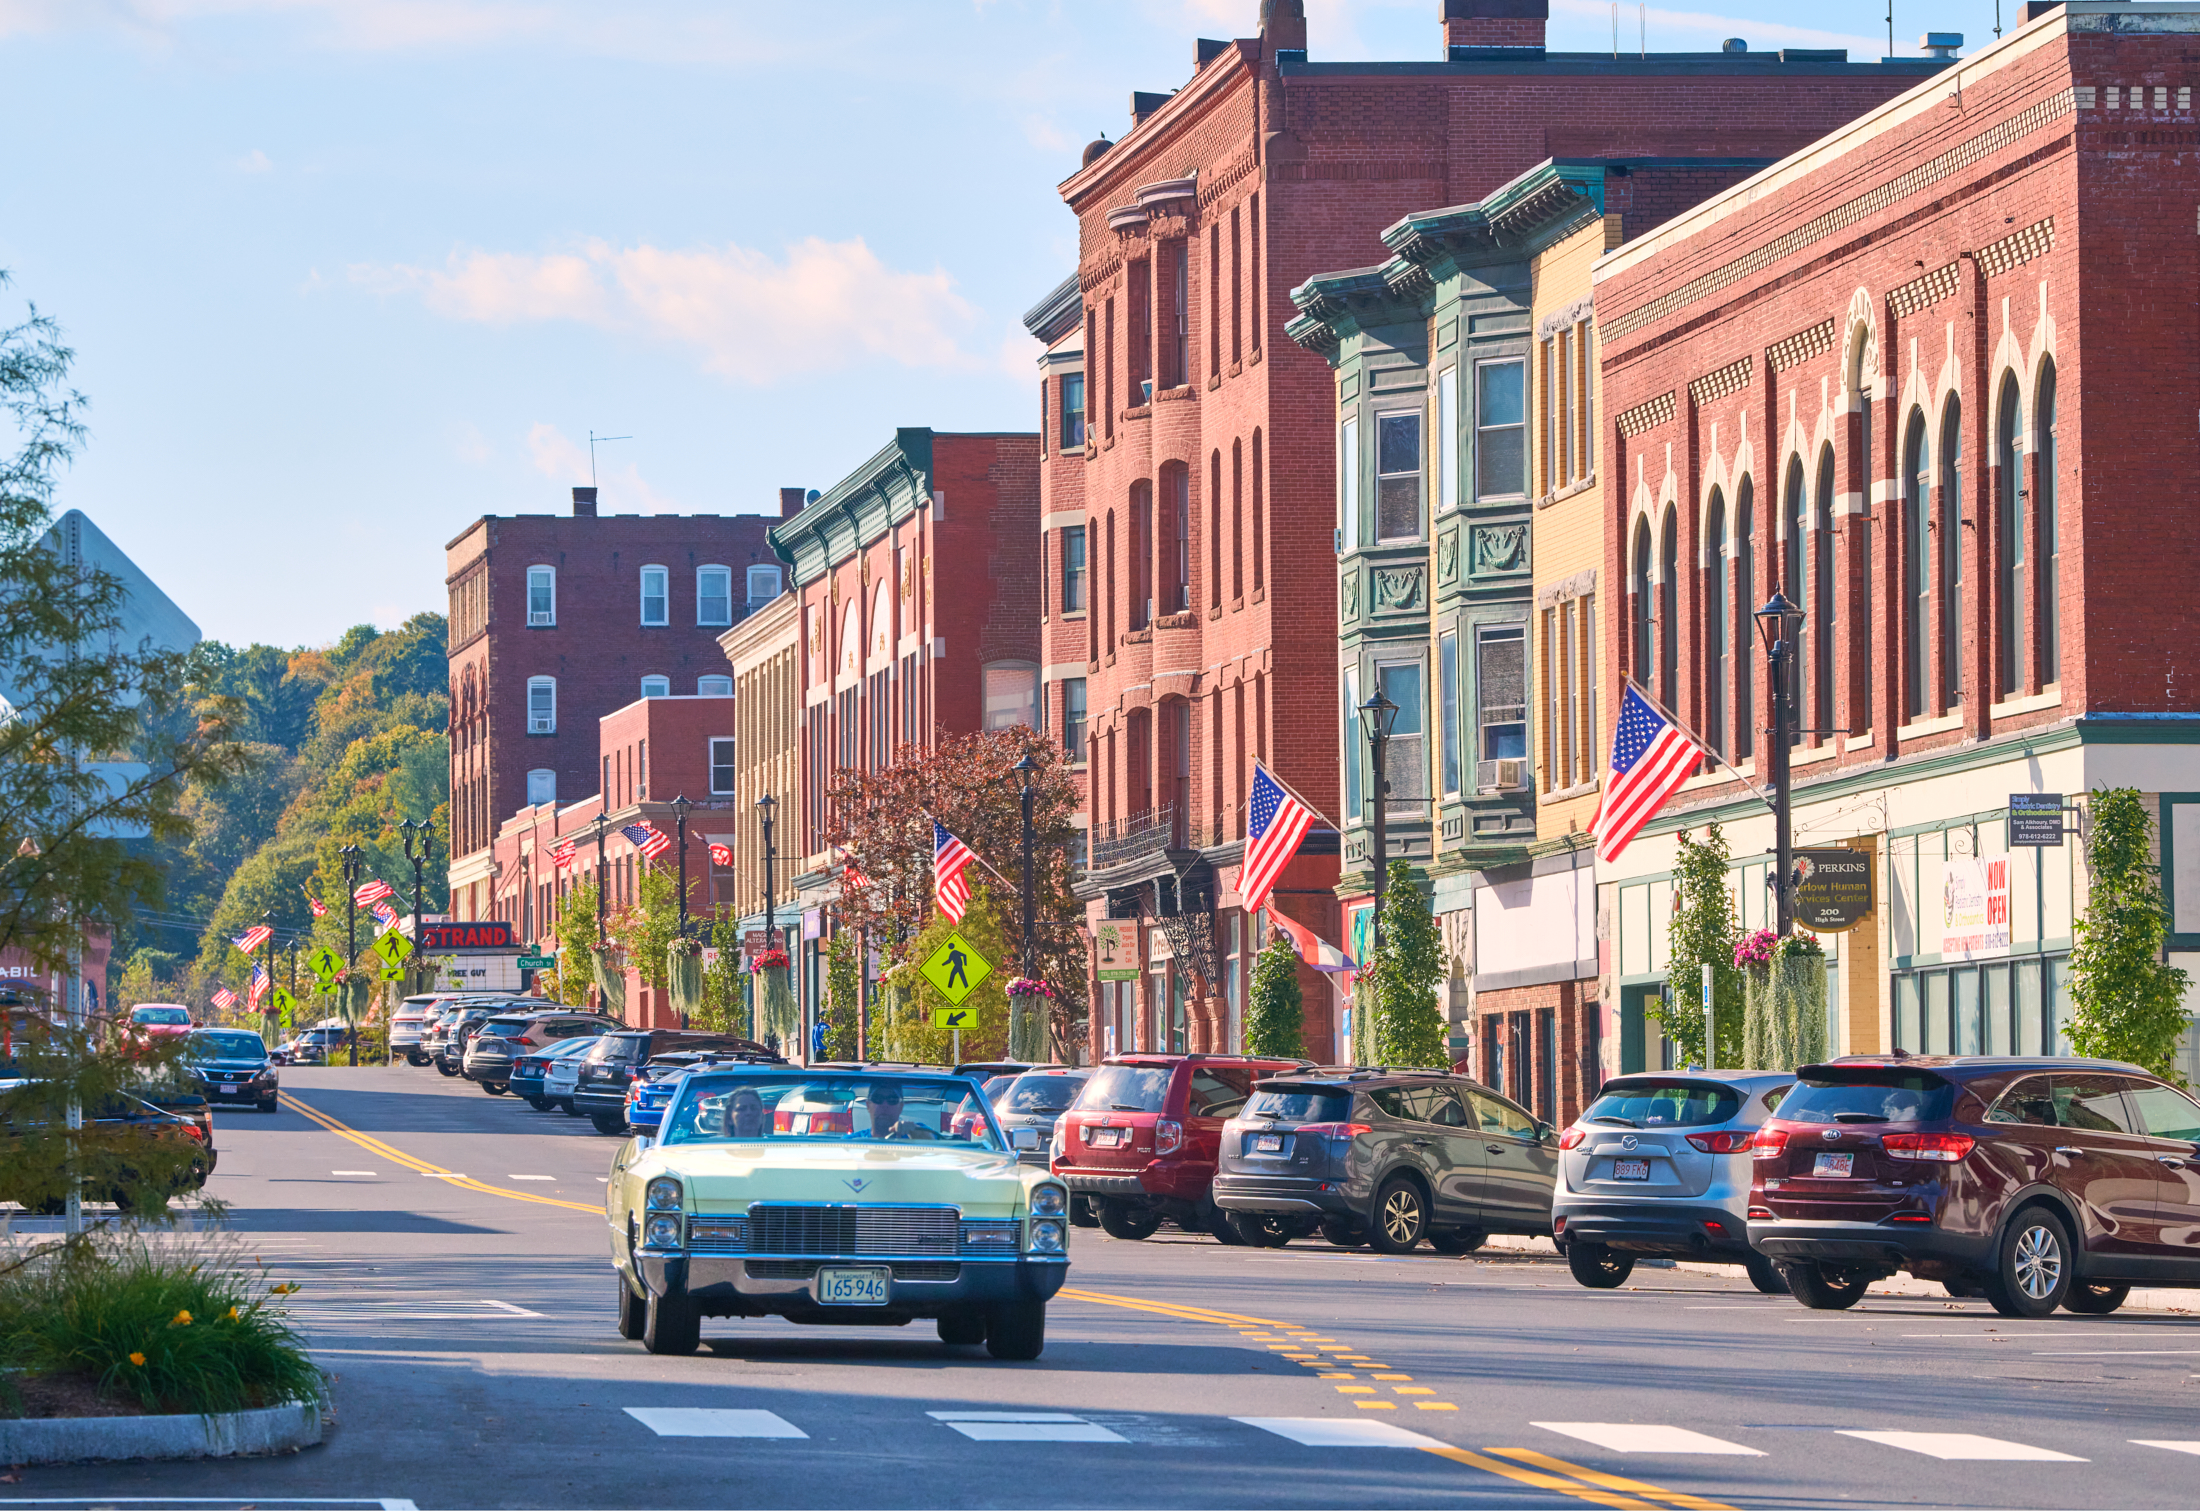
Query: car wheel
{"x": 1597, "y": 1267}
{"x": 494, "y": 1089}
{"x": 2034, "y": 1275}
{"x": 540, "y": 1104}
{"x": 1081, "y": 1214}
{"x": 1016, "y": 1329}
{"x": 449, "y": 1070}
{"x": 1401, "y": 1217}
{"x": 2095, "y": 1299}
{"x": 1260, "y": 1231}
{"x": 633, "y": 1311}
{"x": 1458, "y": 1241}
{"x": 271, "y": 1105}
{"x": 1765, "y": 1275}
{"x": 1343, "y": 1233}
{"x": 1824, "y": 1287}
{"x": 671, "y": 1325}
{"x": 962, "y": 1329}
{"x": 608, "y": 1122}
{"x": 1221, "y": 1224}
{"x": 565, "y": 1105}
{"x": 1122, "y": 1220}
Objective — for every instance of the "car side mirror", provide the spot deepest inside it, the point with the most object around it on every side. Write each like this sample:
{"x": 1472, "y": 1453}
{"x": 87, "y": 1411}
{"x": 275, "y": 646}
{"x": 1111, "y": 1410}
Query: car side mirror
{"x": 1544, "y": 1133}
{"x": 641, "y": 1143}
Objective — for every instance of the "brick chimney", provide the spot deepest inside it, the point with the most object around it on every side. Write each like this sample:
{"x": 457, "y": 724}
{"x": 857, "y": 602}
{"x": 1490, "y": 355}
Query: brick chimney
{"x": 584, "y": 503}
{"x": 1495, "y": 23}
{"x": 1282, "y": 26}
{"x": 791, "y": 501}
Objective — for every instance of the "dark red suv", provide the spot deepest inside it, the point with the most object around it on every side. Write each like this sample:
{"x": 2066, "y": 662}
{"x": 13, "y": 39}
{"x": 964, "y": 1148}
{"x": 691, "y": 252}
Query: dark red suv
{"x": 1141, "y": 1141}
{"x": 2036, "y": 1183}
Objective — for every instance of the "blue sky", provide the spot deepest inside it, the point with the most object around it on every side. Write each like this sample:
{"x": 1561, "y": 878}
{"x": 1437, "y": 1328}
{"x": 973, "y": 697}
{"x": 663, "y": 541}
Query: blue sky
{"x": 344, "y": 274}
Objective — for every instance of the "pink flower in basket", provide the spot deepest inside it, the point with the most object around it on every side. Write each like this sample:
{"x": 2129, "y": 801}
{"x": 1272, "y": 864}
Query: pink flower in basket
{"x": 768, "y": 960}
{"x": 1030, "y": 986}
{"x": 1756, "y": 949}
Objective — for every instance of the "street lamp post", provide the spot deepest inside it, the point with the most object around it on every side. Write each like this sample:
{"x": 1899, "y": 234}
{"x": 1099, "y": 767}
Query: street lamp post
{"x": 1778, "y": 623}
{"x": 764, "y": 807}
{"x": 680, "y": 807}
{"x": 1379, "y": 714}
{"x": 355, "y": 865}
{"x": 425, "y": 828}
{"x": 1027, "y": 771}
{"x": 268, "y": 955}
{"x": 603, "y": 822}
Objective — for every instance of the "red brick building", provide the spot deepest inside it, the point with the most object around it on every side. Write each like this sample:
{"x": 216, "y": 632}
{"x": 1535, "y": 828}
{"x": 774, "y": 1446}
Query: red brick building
{"x": 1210, "y": 485}
{"x": 555, "y": 622}
{"x": 1925, "y": 378}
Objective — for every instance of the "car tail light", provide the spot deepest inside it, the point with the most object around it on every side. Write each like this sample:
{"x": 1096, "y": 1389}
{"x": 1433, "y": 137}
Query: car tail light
{"x": 1558, "y": 1225}
{"x": 1946, "y": 1148}
{"x": 1911, "y": 1217}
{"x": 1337, "y": 1130}
{"x": 1571, "y": 1137}
{"x": 1168, "y": 1136}
{"x": 1770, "y": 1142}
{"x": 1723, "y": 1143}
{"x": 195, "y": 1131}
{"x": 1760, "y": 1214}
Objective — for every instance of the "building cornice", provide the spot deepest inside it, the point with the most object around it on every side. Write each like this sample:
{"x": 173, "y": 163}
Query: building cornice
{"x": 887, "y": 489}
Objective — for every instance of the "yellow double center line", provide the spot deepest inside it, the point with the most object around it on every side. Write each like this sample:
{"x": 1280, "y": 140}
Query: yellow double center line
{"x": 1525, "y": 1466}
{"x": 390, "y": 1152}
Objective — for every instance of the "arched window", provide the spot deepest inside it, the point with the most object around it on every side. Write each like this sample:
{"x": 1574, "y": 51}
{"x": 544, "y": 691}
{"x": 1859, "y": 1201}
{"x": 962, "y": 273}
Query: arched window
{"x": 542, "y": 785}
{"x": 1138, "y": 557}
{"x": 542, "y": 596}
{"x": 1716, "y": 587}
{"x": 1640, "y": 589}
{"x": 1260, "y": 539}
{"x": 1237, "y": 520}
{"x": 2008, "y": 544}
{"x": 1796, "y": 584}
{"x": 2046, "y": 551}
{"x": 1916, "y": 563}
{"x": 542, "y": 705}
{"x": 656, "y": 596}
{"x": 1951, "y": 552}
{"x": 1825, "y": 608}
{"x": 1860, "y": 543}
{"x": 1745, "y": 638}
{"x": 713, "y": 595}
{"x": 1214, "y": 530}
{"x": 656, "y": 687}
{"x": 1669, "y": 610}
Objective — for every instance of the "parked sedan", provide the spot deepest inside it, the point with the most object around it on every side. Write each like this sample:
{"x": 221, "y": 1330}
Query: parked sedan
{"x": 1660, "y": 1163}
{"x": 531, "y": 1072}
{"x": 560, "y": 1075}
{"x": 231, "y": 1065}
{"x": 616, "y": 1060}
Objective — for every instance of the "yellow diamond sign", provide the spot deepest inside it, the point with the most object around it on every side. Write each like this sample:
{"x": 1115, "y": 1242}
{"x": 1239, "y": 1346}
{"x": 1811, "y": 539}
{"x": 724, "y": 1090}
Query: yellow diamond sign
{"x": 281, "y": 1001}
{"x": 325, "y": 963}
{"x": 393, "y": 947}
{"x": 955, "y": 969}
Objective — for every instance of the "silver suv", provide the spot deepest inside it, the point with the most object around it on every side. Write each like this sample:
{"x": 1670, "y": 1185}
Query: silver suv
{"x": 1659, "y": 1163}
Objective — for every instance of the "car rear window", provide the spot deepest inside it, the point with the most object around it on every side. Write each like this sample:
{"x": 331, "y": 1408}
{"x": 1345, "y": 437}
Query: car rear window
{"x": 1127, "y": 1088}
{"x": 1310, "y": 1106}
{"x": 1880, "y": 1096}
{"x": 1665, "y": 1104}
{"x": 1040, "y": 1094}
{"x": 620, "y": 1047}
{"x": 503, "y": 1026}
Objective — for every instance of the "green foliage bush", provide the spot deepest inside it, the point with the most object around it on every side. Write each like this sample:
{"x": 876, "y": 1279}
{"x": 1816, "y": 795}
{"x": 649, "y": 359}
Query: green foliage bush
{"x": 1704, "y": 929}
{"x": 1277, "y": 1023}
{"x": 1400, "y": 982}
{"x": 2126, "y": 1001}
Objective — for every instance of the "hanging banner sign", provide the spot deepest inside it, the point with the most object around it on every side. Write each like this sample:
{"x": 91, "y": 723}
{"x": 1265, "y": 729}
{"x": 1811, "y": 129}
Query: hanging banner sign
{"x": 2036, "y": 819}
{"x": 1974, "y": 901}
{"x": 1833, "y": 889}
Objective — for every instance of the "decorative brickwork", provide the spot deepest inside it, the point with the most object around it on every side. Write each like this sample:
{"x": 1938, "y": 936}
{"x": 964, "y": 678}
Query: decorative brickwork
{"x": 1648, "y": 415}
{"x": 1732, "y": 378}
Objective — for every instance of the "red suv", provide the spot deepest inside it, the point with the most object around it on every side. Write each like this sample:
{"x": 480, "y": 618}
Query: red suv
{"x": 2036, "y": 1183}
{"x": 1141, "y": 1141}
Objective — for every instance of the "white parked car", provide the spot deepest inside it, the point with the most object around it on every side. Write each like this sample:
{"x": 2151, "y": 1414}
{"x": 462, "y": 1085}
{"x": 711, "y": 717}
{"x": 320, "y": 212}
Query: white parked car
{"x": 564, "y": 1073}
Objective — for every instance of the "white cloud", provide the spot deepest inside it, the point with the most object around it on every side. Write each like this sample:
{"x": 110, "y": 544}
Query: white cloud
{"x": 255, "y": 161}
{"x": 555, "y": 454}
{"x": 1700, "y": 26}
{"x": 751, "y": 316}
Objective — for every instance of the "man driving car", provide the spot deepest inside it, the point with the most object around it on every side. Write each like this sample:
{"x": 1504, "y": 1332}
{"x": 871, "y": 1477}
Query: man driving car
{"x": 883, "y": 1103}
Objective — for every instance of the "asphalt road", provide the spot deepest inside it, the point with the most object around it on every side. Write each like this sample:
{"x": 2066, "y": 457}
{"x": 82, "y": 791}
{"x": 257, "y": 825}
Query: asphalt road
{"x": 457, "y": 1284}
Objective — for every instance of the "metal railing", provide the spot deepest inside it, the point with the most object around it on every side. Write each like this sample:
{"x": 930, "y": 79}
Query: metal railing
{"x": 1121, "y": 841}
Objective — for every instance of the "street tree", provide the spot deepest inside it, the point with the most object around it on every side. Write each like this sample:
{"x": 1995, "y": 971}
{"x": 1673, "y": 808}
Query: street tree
{"x": 1704, "y": 930}
{"x": 2127, "y": 1001}
{"x": 1276, "y": 1022}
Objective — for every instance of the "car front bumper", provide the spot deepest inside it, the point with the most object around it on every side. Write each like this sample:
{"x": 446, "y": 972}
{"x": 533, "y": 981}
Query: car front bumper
{"x": 1896, "y": 1245}
{"x": 1284, "y": 1195}
{"x": 1654, "y": 1227}
{"x": 730, "y": 1285}
{"x": 248, "y": 1092}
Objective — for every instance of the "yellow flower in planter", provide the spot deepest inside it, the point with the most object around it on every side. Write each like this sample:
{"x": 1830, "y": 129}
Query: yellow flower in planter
{"x": 232, "y": 1317}
{"x": 138, "y": 1360}
{"x": 181, "y": 1319}
{"x": 287, "y": 1288}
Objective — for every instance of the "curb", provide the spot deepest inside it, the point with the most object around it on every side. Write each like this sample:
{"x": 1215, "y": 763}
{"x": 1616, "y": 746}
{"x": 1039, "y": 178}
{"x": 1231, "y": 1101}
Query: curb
{"x": 60, "y": 1440}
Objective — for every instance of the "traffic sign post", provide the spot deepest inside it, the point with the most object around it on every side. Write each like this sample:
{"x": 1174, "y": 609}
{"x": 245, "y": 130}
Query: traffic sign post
{"x": 325, "y": 963}
{"x": 281, "y": 1001}
{"x": 955, "y": 969}
{"x": 537, "y": 962}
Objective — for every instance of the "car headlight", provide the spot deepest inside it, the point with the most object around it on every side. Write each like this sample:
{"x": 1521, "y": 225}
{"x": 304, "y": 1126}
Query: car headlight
{"x": 664, "y": 1193}
{"x": 1049, "y": 1201}
{"x": 1047, "y": 1236}
{"x": 664, "y": 1232}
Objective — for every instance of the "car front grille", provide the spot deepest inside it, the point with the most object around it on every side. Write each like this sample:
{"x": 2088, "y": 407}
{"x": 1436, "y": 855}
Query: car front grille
{"x": 806, "y": 1269}
{"x": 849, "y": 1229}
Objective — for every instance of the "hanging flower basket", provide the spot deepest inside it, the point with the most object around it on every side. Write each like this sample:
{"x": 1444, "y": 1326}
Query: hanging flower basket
{"x": 1030, "y": 986}
{"x": 1755, "y": 949}
{"x": 768, "y": 960}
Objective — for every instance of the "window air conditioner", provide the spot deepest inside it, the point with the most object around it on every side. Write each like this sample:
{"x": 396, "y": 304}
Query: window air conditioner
{"x": 540, "y": 616}
{"x": 538, "y": 725}
{"x": 1500, "y": 776}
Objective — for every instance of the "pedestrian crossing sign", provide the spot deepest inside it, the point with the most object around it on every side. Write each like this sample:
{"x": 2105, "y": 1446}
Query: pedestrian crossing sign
{"x": 955, "y": 969}
{"x": 393, "y": 947}
{"x": 955, "y": 1017}
{"x": 281, "y": 1001}
{"x": 324, "y": 963}
{"x": 392, "y": 973}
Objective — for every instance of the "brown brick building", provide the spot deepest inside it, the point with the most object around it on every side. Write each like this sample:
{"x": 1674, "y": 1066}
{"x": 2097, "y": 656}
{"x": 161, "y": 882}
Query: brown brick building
{"x": 558, "y": 620}
{"x": 1210, "y": 483}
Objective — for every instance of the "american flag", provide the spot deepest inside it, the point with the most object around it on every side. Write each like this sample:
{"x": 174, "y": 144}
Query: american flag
{"x": 650, "y": 841}
{"x": 1278, "y": 821}
{"x": 320, "y": 908}
{"x": 225, "y": 999}
{"x": 385, "y": 915}
{"x": 251, "y": 939}
{"x": 373, "y": 892}
{"x": 950, "y": 858}
{"x": 259, "y": 984}
{"x": 721, "y": 855}
{"x": 1651, "y": 757}
{"x": 566, "y": 854}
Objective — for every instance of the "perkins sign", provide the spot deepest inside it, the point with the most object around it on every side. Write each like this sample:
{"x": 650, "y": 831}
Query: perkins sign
{"x": 1833, "y": 889}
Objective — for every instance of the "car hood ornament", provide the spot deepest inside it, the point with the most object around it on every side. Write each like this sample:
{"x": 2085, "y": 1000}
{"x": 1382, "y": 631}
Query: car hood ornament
{"x": 856, "y": 1185}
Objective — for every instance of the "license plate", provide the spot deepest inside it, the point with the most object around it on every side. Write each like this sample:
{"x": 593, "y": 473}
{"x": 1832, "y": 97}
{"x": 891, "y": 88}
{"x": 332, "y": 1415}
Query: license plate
{"x": 1630, "y": 1169}
{"x": 1107, "y": 1138}
{"x": 1268, "y": 1143}
{"x": 852, "y": 1287}
{"x": 1834, "y": 1164}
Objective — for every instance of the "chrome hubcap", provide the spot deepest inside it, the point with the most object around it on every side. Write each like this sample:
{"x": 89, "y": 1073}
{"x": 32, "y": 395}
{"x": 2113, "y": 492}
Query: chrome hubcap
{"x": 1402, "y": 1217}
{"x": 2039, "y": 1263}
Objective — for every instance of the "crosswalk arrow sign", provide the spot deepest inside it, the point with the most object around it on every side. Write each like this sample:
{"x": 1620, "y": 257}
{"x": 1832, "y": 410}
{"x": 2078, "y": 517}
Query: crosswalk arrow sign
{"x": 325, "y": 963}
{"x": 954, "y": 1017}
{"x": 393, "y": 947}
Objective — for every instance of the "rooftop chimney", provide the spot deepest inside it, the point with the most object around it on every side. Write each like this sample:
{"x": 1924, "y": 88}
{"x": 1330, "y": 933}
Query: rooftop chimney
{"x": 1940, "y": 44}
{"x": 791, "y": 501}
{"x": 1282, "y": 26}
{"x": 1494, "y": 23}
{"x": 584, "y": 503}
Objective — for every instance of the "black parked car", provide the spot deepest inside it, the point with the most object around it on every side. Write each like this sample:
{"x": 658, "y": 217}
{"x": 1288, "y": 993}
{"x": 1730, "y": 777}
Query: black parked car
{"x": 1385, "y": 1158}
{"x": 231, "y": 1065}
{"x": 616, "y": 1060}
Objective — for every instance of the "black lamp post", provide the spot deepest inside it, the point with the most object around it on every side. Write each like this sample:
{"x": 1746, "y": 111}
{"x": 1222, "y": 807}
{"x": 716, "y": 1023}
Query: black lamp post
{"x": 1778, "y": 623}
{"x": 425, "y": 829}
{"x": 603, "y": 822}
{"x": 680, "y": 806}
{"x": 764, "y": 807}
{"x": 1379, "y": 714}
{"x": 1027, "y": 772}
{"x": 268, "y": 960}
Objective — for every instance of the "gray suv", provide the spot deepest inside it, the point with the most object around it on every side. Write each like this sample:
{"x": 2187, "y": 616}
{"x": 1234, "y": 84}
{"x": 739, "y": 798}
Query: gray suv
{"x": 1659, "y": 1163}
{"x": 1385, "y": 1158}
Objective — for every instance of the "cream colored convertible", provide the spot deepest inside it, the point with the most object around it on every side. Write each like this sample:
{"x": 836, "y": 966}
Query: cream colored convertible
{"x": 843, "y": 1197}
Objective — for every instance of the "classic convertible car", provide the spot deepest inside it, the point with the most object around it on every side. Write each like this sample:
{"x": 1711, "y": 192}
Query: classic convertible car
{"x": 841, "y": 1196}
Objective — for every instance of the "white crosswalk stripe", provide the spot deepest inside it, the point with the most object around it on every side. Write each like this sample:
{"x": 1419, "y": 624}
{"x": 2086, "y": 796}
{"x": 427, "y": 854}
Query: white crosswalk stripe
{"x": 1964, "y": 1445}
{"x": 1646, "y": 1437}
{"x": 1025, "y": 1427}
{"x": 1341, "y": 1432}
{"x": 2174, "y": 1445}
{"x": 713, "y": 1422}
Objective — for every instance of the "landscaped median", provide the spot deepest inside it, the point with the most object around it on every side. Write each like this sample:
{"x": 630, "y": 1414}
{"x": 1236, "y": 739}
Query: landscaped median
{"x": 114, "y": 1346}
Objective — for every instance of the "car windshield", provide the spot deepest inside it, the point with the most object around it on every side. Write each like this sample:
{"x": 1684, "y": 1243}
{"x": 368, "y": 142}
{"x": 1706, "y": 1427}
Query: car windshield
{"x": 1312, "y": 1106}
{"x": 1664, "y": 1104}
{"x": 619, "y": 1047}
{"x": 227, "y": 1044}
{"x": 165, "y": 1016}
{"x": 1126, "y": 1088}
{"x": 1890, "y": 1096}
{"x": 840, "y": 1108}
{"x": 1047, "y": 1092}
